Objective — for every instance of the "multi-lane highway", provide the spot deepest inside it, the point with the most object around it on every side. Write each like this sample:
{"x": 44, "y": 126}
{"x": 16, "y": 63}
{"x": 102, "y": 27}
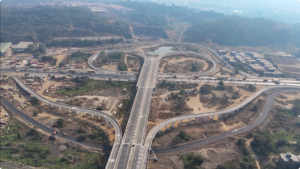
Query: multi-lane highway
{"x": 257, "y": 122}
{"x": 48, "y": 129}
{"x": 254, "y": 82}
{"x": 132, "y": 151}
{"x": 136, "y": 126}
{"x": 111, "y": 120}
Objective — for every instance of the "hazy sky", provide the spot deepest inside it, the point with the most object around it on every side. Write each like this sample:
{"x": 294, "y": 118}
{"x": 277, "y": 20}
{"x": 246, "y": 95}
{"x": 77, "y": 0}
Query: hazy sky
{"x": 281, "y": 10}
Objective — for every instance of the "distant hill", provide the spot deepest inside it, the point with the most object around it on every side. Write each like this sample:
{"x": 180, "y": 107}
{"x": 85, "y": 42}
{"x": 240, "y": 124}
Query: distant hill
{"x": 153, "y": 14}
{"x": 234, "y": 31}
{"x": 41, "y": 23}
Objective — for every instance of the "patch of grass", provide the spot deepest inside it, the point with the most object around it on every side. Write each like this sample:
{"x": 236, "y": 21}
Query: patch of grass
{"x": 84, "y": 84}
{"x": 192, "y": 161}
{"x": 25, "y": 146}
{"x": 97, "y": 136}
{"x": 282, "y": 133}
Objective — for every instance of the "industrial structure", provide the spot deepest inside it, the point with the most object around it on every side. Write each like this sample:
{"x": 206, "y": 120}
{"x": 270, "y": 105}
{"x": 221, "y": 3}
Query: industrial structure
{"x": 4, "y": 47}
{"x": 22, "y": 46}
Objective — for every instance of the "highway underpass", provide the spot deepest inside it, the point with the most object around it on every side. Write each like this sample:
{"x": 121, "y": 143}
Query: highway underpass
{"x": 267, "y": 106}
{"x": 133, "y": 151}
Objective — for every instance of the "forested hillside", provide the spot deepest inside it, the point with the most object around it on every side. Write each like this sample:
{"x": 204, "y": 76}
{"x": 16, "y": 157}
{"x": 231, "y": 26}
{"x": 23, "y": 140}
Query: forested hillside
{"x": 41, "y": 23}
{"x": 233, "y": 31}
{"x": 153, "y": 14}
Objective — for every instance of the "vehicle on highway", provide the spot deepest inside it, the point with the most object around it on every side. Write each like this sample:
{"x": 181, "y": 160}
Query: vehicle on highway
{"x": 70, "y": 75}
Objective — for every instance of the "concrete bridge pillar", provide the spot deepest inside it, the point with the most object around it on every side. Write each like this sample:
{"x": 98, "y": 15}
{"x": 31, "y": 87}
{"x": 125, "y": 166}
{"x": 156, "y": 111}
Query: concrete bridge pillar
{"x": 159, "y": 132}
{"x": 59, "y": 108}
{"x": 189, "y": 121}
{"x": 227, "y": 114}
{"x": 76, "y": 112}
{"x": 181, "y": 122}
{"x": 213, "y": 117}
{"x": 50, "y": 105}
{"x": 166, "y": 127}
{"x": 69, "y": 110}
{"x": 205, "y": 118}
{"x": 110, "y": 125}
{"x": 105, "y": 120}
{"x": 83, "y": 113}
{"x": 99, "y": 117}
{"x": 173, "y": 125}
{"x": 92, "y": 115}
{"x": 197, "y": 119}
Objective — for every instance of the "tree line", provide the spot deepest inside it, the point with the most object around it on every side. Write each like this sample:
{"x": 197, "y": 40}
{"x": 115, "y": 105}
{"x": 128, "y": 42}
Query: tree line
{"x": 80, "y": 43}
{"x": 153, "y": 14}
{"x": 41, "y": 23}
{"x": 234, "y": 31}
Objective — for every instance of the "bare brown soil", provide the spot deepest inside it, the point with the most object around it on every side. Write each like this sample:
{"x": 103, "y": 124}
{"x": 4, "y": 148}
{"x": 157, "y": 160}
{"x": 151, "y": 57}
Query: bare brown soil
{"x": 213, "y": 155}
{"x": 285, "y": 60}
{"x": 210, "y": 127}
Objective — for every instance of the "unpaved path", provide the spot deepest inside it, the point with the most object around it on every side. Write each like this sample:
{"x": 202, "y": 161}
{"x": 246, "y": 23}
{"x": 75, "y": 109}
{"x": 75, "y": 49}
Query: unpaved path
{"x": 255, "y": 156}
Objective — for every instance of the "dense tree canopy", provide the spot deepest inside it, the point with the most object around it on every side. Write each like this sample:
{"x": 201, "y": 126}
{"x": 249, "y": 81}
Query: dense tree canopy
{"x": 153, "y": 14}
{"x": 40, "y": 23}
{"x": 235, "y": 31}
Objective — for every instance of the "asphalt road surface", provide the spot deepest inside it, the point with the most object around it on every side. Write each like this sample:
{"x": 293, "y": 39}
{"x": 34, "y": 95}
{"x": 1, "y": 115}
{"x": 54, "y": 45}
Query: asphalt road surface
{"x": 50, "y": 130}
{"x": 66, "y": 73}
{"x": 256, "y": 123}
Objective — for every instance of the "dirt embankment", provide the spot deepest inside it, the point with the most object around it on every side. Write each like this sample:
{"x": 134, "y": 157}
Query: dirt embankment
{"x": 208, "y": 128}
{"x": 213, "y": 155}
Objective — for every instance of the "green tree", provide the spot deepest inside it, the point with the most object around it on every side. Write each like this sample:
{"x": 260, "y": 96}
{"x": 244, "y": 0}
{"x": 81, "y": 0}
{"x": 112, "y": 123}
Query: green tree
{"x": 36, "y": 54}
{"x": 296, "y": 107}
{"x": 255, "y": 108}
{"x": 29, "y": 63}
{"x": 251, "y": 87}
{"x": 30, "y": 47}
{"x": 192, "y": 161}
{"x": 221, "y": 85}
{"x": 60, "y": 123}
{"x": 122, "y": 66}
{"x": 206, "y": 89}
{"x": 194, "y": 67}
{"x": 34, "y": 101}
{"x": 99, "y": 108}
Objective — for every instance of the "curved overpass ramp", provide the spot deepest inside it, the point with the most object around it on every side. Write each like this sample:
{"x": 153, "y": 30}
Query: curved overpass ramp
{"x": 111, "y": 120}
{"x": 158, "y": 127}
{"x": 193, "y": 54}
{"x": 48, "y": 129}
{"x": 132, "y": 52}
{"x": 213, "y": 52}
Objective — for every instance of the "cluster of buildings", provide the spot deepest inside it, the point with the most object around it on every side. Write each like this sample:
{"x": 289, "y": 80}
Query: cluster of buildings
{"x": 289, "y": 161}
{"x": 22, "y": 46}
{"x": 256, "y": 62}
{"x": 34, "y": 63}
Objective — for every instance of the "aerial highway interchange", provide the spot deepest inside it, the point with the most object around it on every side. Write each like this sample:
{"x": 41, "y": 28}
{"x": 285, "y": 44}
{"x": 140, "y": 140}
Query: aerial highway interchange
{"x": 132, "y": 148}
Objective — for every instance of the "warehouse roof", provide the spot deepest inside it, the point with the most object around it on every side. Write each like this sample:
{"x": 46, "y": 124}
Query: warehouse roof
{"x": 5, "y": 46}
{"x": 23, "y": 45}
